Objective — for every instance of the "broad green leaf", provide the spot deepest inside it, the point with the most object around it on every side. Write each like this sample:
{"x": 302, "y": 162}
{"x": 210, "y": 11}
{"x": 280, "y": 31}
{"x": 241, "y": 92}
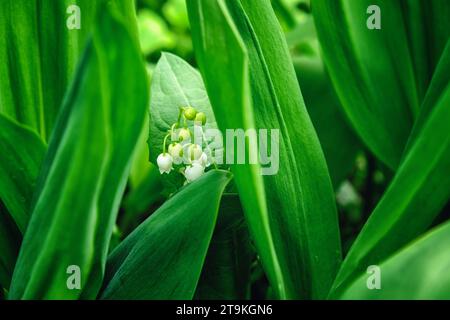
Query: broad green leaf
{"x": 226, "y": 272}
{"x": 291, "y": 215}
{"x": 86, "y": 169}
{"x": 339, "y": 143}
{"x": 163, "y": 257}
{"x": 418, "y": 192}
{"x": 439, "y": 84}
{"x": 175, "y": 84}
{"x": 428, "y": 30}
{"x": 372, "y": 71}
{"x": 10, "y": 239}
{"x": 39, "y": 55}
{"x": 417, "y": 272}
{"x": 236, "y": 81}
{"x": 21, "y": 155}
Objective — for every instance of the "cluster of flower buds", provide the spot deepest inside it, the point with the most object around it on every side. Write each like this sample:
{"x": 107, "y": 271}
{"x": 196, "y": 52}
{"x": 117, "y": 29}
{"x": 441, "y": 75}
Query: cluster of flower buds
{"x": 189, "y": 157}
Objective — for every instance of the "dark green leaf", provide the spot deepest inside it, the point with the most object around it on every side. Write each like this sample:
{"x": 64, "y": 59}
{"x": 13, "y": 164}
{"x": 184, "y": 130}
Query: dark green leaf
{"x": 21, "y": 155}
{"x": 380, "y": 99}
{"x": 10, "y": 239}
{"x": 418, "y": 192}
{"x": 163, "y": 257}
{"x": 226, "y": 272}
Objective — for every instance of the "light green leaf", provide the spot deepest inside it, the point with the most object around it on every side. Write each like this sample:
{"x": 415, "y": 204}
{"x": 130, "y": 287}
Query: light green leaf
{"x": 291, "y": 215}
{"x": 418, "y": 192}
{"x": 417, "y": 272}
{"x": 39, "y": 55}
{"x": 21, "y": 155}
{"x": 86, "y": 169}
{"x": 175, "y": 84}
{"x": 338, "y": 140}
{"x": 226, "y": 272}
{"x": 163, "y": 257}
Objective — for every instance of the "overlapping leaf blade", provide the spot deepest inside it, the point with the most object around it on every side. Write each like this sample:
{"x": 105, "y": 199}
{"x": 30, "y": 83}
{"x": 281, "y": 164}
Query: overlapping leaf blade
{"x": 10, "y": 239}
{"x": 163, "y": 257}
{"x": 86, "y": 168}
{"x": 418, "y": 192}
{"x": 380, "y": 99}
{"x": 226, "y": 272}
{"x": 418, "y": 272}
{"x": 238, "y": 104}
{"x": 338, "y": 140}
{"x": 252, "y": 46}
{"x": 39, "y": 55}
{"x": 21, "y": 155}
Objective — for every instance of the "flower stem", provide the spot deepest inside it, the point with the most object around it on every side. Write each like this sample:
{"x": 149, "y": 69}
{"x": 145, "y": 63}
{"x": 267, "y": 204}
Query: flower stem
{"x": 165, "y": 141}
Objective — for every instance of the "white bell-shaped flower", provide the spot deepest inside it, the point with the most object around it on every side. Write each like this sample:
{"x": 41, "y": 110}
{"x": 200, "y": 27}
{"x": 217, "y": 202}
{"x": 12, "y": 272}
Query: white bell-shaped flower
{"x": 203, "y": 160}
{"x": 176, "y": 151}
{"x": 194, "y": 152}
{"x": 184, "y": 136}
{"x": 164, "y": 161}
{"x": 193, "y": 172}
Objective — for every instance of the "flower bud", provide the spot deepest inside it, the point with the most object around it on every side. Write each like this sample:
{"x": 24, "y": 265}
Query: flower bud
{"x": 200, "y": 118}
{"x": 176, "y": 151}
{"x": 190, "y": 113}
{"x": 164, "y": 161}
{"x": 194, "y": 172}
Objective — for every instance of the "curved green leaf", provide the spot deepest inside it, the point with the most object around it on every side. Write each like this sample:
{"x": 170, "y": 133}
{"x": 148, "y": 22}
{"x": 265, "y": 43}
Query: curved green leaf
{"x": 338, "y": 140}
{"x": 21, "y": 155}
{"x": 10, "y": 239}
{"x": 175, "y": 84}
{"x": 291, "y": 215}
{"x": 163, "y": 257}
{"x": 86, "y": 169}
{"x": 39, "y": 55}
{"x": 226, "y": 272}
{"x": 381, "y": 107}
{"x": 417, "y": 272}
{"x": 418, "y": 192}
{"x": 438, "y": 85}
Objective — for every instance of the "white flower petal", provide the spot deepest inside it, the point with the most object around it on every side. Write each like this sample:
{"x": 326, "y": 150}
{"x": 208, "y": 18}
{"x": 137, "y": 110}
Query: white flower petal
{"x": 164, "y": 161}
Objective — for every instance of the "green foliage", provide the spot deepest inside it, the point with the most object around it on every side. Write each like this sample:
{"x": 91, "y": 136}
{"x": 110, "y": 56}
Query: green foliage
{"x": 163, "y": 257}
{"x": 226, "y": 272}
{"x": 253, "y": 63}
{"x": 22, "y": 155}
{"x": 417, "y": 272}
{"x": 350, "y": 50}
{"x": 364, "y": 149}
{"x": 95, "y": 127}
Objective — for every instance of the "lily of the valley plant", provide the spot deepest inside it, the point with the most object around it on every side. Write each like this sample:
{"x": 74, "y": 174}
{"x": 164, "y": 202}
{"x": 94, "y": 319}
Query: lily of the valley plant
{"x": 104, "y": 193}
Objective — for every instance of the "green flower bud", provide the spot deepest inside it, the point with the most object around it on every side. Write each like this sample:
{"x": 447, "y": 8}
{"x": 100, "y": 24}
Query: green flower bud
{"x": 190, "y": 113}
{"x": 200, "y": 117}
